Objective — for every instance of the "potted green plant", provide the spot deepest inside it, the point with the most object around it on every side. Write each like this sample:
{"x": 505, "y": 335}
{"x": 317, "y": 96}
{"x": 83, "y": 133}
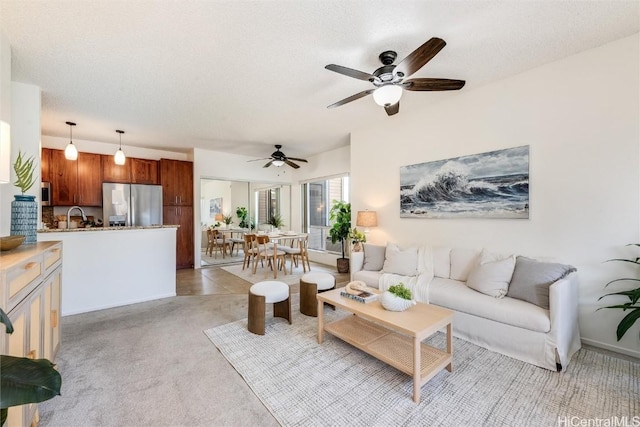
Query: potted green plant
{"x": 24, "y": 209}
{"x": 241, "y": 213}
{"x": 633, "y": 294}
{"x": 24, "y": 380}
{"x": 276, "y": 221}
{"x": 340, "y": 216}
{"x": 397, "y": 298}
{"x": 228, "y": 220}
{"x": 357, "y": 238}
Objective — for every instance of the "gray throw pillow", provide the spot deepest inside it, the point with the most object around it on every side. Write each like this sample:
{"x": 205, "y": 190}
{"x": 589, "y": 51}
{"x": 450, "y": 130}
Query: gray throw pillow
{"x": 373, "y": 257}
{"x": 531, "y": 280}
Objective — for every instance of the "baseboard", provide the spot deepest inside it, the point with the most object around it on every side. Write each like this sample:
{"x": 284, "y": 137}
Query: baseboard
{"x": 611, "y": 347}
{"x": 120, "y": 304}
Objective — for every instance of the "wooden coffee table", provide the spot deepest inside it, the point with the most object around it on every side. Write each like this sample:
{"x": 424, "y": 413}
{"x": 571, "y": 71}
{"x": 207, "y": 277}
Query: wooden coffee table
{"x": 392, "y": 337}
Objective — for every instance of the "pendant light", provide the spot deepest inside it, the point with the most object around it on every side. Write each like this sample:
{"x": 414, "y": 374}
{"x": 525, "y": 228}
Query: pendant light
{"x": 71, "y": 152}
{"x": 119, "y": 157}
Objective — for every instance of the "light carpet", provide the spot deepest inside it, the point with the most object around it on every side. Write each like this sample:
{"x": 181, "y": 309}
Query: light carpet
{"x": 267, "y": 274}
{"x": 304, "y": 383}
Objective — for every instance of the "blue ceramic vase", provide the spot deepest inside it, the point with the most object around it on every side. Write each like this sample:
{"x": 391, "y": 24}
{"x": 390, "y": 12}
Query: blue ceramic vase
{"x": 24, "y": 218}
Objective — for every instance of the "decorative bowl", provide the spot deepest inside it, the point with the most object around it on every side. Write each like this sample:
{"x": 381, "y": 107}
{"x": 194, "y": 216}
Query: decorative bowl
{"x": 10, "y": 242}
{"x": 394, "y": 303}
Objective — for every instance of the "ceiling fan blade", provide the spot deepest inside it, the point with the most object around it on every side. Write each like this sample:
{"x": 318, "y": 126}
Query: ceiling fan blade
{"x": 416, "y": 59}
{"x": 352, "y": 98}
{"x": 361, "y": 75}
{"x": 433, "y": 84}
{"x": 257, "y": 160}
{"x": 268, "y": 164}
{"x": 392, "y": 109}
{"x": 297, "y": 160}
{"x": 290, "y": 163}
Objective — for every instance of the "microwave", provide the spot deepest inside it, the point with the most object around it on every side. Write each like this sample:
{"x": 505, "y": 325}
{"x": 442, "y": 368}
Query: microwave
{"x": 45, "y": 196}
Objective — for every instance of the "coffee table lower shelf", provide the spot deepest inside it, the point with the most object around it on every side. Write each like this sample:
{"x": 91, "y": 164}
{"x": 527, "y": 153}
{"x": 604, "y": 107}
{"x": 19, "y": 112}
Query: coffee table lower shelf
{"x": 388, "y": 346}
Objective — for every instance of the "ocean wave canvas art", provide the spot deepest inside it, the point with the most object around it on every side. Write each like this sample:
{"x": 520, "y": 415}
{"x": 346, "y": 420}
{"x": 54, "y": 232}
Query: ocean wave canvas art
{"x": 487, "y": 185}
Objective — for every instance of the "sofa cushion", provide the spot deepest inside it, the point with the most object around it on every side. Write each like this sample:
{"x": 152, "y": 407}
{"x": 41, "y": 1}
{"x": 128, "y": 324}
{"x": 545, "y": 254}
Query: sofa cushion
{"x": 462, "y": 261}
{"x": 531, "y": 280}
{"x": 442, "y": 262}
{"x": 371, "y": 278}
{"x": 455, "y": 295}
{"x": 402, "y": 262}
{"x": 492, "y": 275}
{"x": 373, "y": 257}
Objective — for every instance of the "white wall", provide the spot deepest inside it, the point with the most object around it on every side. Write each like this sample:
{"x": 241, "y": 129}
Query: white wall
{"x": 213, "y": 189}
{"x": 580, "y": 117}
{"x": 5, "y": 108}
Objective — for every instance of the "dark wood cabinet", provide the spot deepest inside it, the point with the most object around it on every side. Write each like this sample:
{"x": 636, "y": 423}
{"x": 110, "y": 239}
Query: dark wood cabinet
{"x": 144, "y": 171}
{"x": 75, "y": 182}
{"x": 45, "y": 165}
{"x": 182, "y": 216}
{"x": 176, "y": 177}
{"x": 115, "y": 173}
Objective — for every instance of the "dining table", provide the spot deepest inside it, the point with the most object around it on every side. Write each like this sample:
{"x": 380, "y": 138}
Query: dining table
{"x": 275, "y": 238}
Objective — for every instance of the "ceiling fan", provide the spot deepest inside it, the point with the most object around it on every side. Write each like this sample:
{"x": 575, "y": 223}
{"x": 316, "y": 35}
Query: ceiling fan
{"x": 278, "y": 158}
{"x": 389, "y": 79}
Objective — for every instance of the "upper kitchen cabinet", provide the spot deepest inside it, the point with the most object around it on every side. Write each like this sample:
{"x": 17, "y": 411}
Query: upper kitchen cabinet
{"x": 176, "y": 177}
{"x": 144, "y": 171}
{"x": 115, "y": 173}
{"x": 45, "y": 165}
{"x": 76, "y": 182}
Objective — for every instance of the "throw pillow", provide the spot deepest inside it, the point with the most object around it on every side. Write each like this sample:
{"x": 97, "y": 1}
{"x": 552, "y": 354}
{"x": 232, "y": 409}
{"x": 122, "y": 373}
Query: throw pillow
{"x": 492, "y": 277}
{"x": 531, "y": 280}
{"x": 373, "y": 257}
{"x": 401, "y": 262}
{"x": 462, "y": 262}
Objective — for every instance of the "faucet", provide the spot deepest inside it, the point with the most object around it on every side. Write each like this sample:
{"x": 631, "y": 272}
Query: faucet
{"x": 84, "y": 217}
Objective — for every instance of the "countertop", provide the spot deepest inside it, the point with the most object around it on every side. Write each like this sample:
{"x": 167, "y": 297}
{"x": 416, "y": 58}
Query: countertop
{"x": 73, "y": 230}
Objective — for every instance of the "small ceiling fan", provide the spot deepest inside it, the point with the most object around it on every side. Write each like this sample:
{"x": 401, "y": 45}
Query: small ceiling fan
{"x": 278, "y": 158}
{"x": 389, "y": 79}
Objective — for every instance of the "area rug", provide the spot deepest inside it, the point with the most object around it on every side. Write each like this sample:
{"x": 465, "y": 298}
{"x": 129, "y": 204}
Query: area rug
{"x": 303, "y": 383}
{"x": 267, "y": 274}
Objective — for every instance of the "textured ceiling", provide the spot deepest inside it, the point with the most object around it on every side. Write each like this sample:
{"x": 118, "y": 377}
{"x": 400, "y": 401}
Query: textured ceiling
{"x": 239, "y": 76}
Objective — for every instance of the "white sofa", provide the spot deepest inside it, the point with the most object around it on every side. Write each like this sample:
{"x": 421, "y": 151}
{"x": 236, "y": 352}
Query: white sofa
{"x": 526, "y": 329}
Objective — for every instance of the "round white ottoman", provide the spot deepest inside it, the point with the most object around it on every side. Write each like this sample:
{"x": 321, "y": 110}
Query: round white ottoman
{"x": 263, "y": 293}
{"x": 310, "y": 285}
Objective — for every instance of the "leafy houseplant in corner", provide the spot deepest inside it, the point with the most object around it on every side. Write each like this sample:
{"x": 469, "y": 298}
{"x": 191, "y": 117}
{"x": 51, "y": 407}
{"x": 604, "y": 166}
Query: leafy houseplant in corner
{"x": 228, "y": 220}
{"x": 340, "y": 216}
{"x": 24, "y": 209}
{"x": 397, "y": 298}
{"x": 241, "y": 213}
{"x": 633, "y": 294}
{"x": 24, "y": 380}
{"x": 357, "y": 238}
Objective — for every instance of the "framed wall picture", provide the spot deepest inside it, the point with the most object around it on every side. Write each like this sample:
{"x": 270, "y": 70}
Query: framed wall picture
{"x": 215, "y": 207}
{"x": 486, "y": 185}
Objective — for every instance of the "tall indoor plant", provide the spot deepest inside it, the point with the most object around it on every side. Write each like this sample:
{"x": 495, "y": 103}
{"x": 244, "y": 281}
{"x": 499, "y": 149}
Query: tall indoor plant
{"x": 340, "y": 216}
{"x": 24, "y": 209}
{"x": 633, "y": 294}
{"x": 24, "y": 380}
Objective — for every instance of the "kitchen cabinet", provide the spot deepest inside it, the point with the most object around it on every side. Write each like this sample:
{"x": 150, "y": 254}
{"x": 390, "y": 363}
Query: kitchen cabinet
{"x": 182, "y": 216}
{"x": 144, "y": 171}
{"x": 45, "y": 165}
{"x": 115, "y": 173}
{"x": 76, "y": 182}
{"x": 30, "y": 291}
{"x": 176, "y": 177}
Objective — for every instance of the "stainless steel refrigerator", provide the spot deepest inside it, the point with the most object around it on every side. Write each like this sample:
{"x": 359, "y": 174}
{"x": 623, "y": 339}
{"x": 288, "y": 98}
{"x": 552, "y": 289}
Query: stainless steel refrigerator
{"x": 131, "y": 205}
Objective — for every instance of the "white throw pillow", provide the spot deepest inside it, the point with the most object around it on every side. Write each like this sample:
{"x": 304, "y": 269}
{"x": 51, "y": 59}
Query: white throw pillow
{"x": 402, "y": 262}
{"x": 462, "y": 262}
{"x": 492, "y": 277}
{"x": 442, "y": 262}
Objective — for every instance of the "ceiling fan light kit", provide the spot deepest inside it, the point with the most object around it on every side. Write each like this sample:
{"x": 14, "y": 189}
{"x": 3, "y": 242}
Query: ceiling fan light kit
{"x": 389, "y": 79}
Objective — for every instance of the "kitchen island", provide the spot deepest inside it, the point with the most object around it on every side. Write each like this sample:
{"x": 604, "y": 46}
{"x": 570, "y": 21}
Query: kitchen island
{"x": 114, "y": 266}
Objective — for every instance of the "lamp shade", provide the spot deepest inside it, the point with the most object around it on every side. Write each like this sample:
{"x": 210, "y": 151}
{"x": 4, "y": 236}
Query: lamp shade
{"x": 219, "y": 217}
{"x": 367, "y": 219}
{"x": 277, "y": 163}
{"x": 71, "y": 152}
{"x": 119, "y": 157}
{"x": 387, "y": 95}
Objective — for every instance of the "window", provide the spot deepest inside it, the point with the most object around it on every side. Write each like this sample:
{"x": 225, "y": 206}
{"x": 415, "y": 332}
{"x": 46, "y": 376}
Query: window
{"x": 318, "y": 197}
{"x": 268, "y": 202}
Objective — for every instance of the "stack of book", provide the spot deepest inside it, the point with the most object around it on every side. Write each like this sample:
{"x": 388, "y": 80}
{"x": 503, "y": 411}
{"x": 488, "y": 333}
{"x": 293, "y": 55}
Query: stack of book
{"x": 360, "y": 296}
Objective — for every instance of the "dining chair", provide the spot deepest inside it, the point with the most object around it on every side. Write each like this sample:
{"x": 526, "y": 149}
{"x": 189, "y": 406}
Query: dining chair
{"x": 239, "y": 241}
{"x": 266, "y": 252}
{"x": 209, "y": 250}
{"x": 248, "y": 248}
{"x": 219, "y": 243}
{"x": 297, "y": 249}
